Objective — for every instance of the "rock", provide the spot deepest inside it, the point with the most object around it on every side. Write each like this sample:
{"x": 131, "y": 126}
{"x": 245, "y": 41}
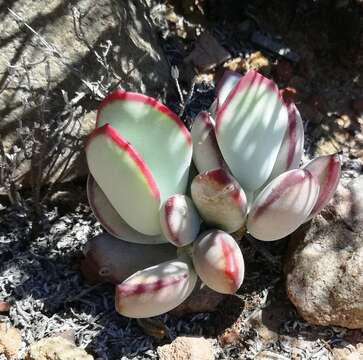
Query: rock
{"x": 351, "y": 348}
{"x": 269, "y": 355}
{"x": 187, "y": 348}
{"x": 4, "y": 306}
{"x": 269, "y": 320}
{"x": 266, "y": 42}
{"x": 203, "y": 299}
{"x": 134, "y": 54}
{"x": 344, "y": 121}
{"x": 69, "y": 335}
{"x": 153, "y": 327}
{"x": 207, "y": 53}
{"x": 348, "y": 353}
{"x": 56, "y": 348}
{"x": 324, "y": 264}
{"x": 10, "y": 341}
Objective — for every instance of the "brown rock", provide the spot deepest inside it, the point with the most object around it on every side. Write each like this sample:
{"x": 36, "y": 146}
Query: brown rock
{"x": 4, "y": 306}
{"x": 69, "y": 335}
{"x": 348, "y": 353}
{"x": 269, "y": 355}
{"x": 203, "y": 299}
{"x": 135, "y": 55}
{"x": 153, "y": 327}
{"x": 353, "y": 349}
{"x": 344, "y": 121}
{"x": 187, "y": 348}
{"x": 56, "y": 348}
{"x": 10, "y": 341}
{"x": 324, "y": 265}
{"x": 207, "y": 53}
{"x": 270, "y": 319}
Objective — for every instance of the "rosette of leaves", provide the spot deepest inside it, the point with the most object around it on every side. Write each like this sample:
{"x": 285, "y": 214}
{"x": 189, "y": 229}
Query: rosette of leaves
{"x": 247, "y": 151}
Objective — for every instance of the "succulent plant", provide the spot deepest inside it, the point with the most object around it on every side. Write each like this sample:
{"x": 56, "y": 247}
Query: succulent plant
{"x": 247, "y": 150}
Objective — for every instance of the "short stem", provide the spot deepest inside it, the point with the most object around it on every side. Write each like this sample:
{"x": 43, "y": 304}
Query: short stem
{"x": 185, "y": 253}
{"x": 240, "y": 233}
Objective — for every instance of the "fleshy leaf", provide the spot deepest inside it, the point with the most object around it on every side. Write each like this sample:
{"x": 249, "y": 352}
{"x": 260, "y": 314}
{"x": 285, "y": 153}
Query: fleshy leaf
{"x": 219, "y": 199}
{"x": 125, "y": 179}
{"x": 108, "y": 259}
{"x": 206, "y": 152}
{"x": 291, "y": 150}
{"x": 218, "y": 261}
{"x": 283, "y": 205}
{"x": 157, "y": 134}
{"x": 155, "y": 290}
{"x": 326, "y": 170}
{"x": 179, "y": 220}
{"x": 250, "y": 127}
{"x": 226, "y": 84}
{"x": 111, "y": 221}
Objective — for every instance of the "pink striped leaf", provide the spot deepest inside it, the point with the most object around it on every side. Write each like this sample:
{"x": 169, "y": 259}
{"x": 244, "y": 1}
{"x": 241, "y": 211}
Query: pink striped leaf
{"x": 283, "y": 205}
{"x": 250, "y": 127}
{"x": 226, "y": 84}
{"x": 206, "y": 152}
{"x": 155, "y": 132}
{"x": 326, "y": 170}
{"x": 218, "y": 261}
{"x": 220, "y": 200}
{"x": 125, "y": 179}
{"x": 291, "y": 150}
{"x": 179, "y": 220}
{"x": 110, "y": 219}
{"x": 155, "y": 290}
